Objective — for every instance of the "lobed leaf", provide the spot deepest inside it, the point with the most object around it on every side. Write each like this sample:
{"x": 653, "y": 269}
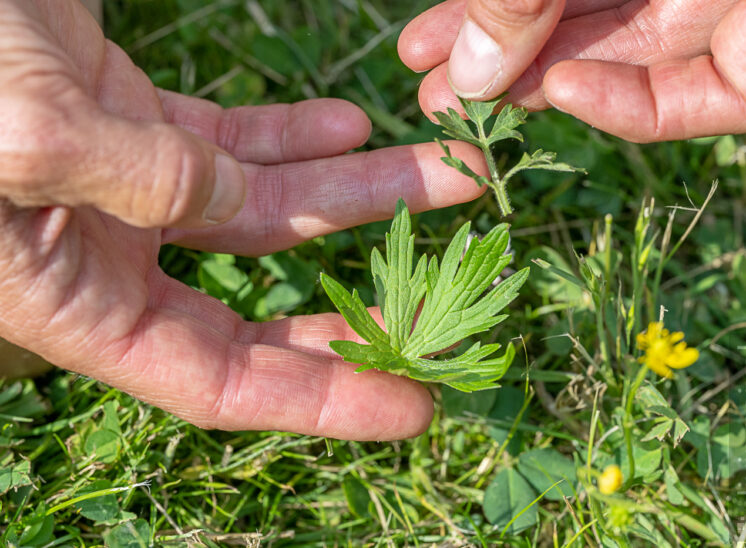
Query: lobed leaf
{"x": 540, "y": 160}
{"x": 480, "y": 111}
{"x": 399, "y": 291}
{"x": 506, "y": 122}
{"x": 459, "y": 164}
{"x": 457, "y": 301}
{"x": 455, "y": 126}
{"x": 353, "y": 310}
{"x": 504, "y": 126}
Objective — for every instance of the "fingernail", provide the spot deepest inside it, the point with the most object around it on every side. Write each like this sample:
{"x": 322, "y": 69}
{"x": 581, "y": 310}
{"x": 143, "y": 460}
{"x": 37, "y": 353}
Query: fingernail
{"x": 476, "y": 62}
{"x": 555, "y": 107}
{"x": 228, "y": 192}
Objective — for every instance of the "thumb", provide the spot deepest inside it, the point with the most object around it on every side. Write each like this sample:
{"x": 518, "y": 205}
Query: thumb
{"x": 146, "y": 174}
{"x": 728, "y": 46}
{"x": 498, "y": 40}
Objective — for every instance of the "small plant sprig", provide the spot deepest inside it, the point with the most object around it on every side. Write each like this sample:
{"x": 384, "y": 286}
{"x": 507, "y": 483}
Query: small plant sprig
{"x": 504, "y": 127}
{"x": 452, "y": 308}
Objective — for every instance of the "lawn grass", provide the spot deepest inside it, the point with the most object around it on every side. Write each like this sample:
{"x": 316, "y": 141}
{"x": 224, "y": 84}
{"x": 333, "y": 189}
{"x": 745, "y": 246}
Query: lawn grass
{"x": 82, "y": 464}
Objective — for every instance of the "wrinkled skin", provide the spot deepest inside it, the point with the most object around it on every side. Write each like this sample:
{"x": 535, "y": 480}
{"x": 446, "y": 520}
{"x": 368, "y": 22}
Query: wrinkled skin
{"x": 98, "y": 169}
{"x": 644, "y": 70}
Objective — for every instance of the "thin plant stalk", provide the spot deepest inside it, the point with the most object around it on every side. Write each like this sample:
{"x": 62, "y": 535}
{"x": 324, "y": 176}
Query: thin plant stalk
{"x": 628, "y": 422}
{"x": 496, "y": 183}
{"x": 666, "y": 257}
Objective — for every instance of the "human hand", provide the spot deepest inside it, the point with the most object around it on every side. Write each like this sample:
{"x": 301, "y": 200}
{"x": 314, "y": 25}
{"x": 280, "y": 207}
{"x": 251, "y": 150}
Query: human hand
{"x": 99, "y": 169}
{"x": 642, "y": 70}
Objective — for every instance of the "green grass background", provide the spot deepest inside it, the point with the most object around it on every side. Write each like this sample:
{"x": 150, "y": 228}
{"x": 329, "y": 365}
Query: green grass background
{"x": 277, "y": 489}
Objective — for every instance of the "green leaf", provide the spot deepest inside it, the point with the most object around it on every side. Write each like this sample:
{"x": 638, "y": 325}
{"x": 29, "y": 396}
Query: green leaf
{"x": 506, "y": 121}
{"x": 649, "y": 396}
{"x": 469, "y": 372}
{"x": 296, "y": 285}
{"x": 357, "y": 497}
{"x": 219, "y": 279}
{"x": 544, "y": 467}
{"x": 458, "y": 163}
{"x": 503, "y": 127}
{"x": 452, "y": 309}
{"x": 102, "y": 508}
{"x": 40, "y": 528}
{"x": 130, "y": 534}
{"x": 539, "y": 160}
{"x": 647, "y": 457}
{"x": 455, "y": 126}
{"x": 458, "y": 404}
{"x": 105, "y": 441}
{"x": 456, "y": 299}
{"x": 354, "y": 311}
{"x": 659, "y": 431}
{"x": 644, "y": 531}
{"x": 726, "y": 151}
{"x": 507, "y": 495}
{"x": 480, "y": 111}
{"x": 654, "y": 402}
{"x": 399, "y": 291}
{"x": 284, "y": 296}
{"x": 111, "y": 418}
{"x": 14, "y": 475}
{"x": 104, "y": 444}
{"x": 672, "y": 491}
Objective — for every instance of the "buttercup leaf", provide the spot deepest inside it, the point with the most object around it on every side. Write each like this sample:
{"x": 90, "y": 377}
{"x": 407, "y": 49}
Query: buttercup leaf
{"x": 540, "y": 160}
{"x": 457, "y": 300}
{"x": 480, "y": 111}
{"x": 503, "y": 127}
{"x": 506, "y": 121}
{"x": 459, "y": 164}
{"x": 455, "y": 126}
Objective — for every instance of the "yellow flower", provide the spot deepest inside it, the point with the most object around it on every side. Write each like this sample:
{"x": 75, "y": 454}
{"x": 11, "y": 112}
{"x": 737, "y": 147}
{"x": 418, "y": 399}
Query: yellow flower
{"x": 664, "y": 350}
{"x": 610, "y": 480}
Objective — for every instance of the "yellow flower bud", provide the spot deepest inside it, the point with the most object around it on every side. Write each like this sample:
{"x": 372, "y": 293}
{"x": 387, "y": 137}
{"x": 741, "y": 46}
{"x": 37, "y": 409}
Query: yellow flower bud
{"x": 610, "y": 480}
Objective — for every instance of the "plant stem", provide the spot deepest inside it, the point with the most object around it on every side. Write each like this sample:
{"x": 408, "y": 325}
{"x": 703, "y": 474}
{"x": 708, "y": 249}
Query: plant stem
{"x": 502, "y": 198}
{"x": 665, "y": 255}
{"x": 628, "y": 423}
{"x": 600, "y": 333}
{"x": 661, "y": 263}
{"x": 601, "y": 303}
{"x": 93, "y": 495}
{"x": 498, "y": 183}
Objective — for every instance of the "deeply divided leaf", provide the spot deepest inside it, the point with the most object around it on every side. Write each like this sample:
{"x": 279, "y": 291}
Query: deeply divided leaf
{"x": 539, "y": 160}
{"x": 461, "y": 297}
{"x": 459, "y": 164}
{"x": 455, "y": 126}
{"x": 504, "y": 126}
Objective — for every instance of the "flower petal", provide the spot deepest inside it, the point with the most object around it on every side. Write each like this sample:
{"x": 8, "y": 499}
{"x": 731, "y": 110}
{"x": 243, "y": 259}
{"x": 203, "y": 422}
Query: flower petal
{"x": 676, "y": 337}
{"x": 682, "y": 356}
{"x": 659, "y": 367}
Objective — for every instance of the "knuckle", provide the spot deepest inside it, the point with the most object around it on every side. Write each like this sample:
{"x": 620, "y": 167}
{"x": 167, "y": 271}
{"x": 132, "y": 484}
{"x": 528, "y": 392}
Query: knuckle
{"x": 181, "y": 170}
{"x": 229, "y": 128}
{"x": 510, "y": 12}
{"x": 271, "y": 203}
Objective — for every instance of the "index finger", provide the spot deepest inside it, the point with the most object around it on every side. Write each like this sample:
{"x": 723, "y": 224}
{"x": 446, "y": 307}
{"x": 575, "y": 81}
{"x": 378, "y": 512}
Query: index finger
{"x": 291, "y": 203}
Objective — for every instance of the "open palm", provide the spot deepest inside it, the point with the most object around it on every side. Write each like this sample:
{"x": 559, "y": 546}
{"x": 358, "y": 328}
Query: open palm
{"x": 86, "y": 145}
